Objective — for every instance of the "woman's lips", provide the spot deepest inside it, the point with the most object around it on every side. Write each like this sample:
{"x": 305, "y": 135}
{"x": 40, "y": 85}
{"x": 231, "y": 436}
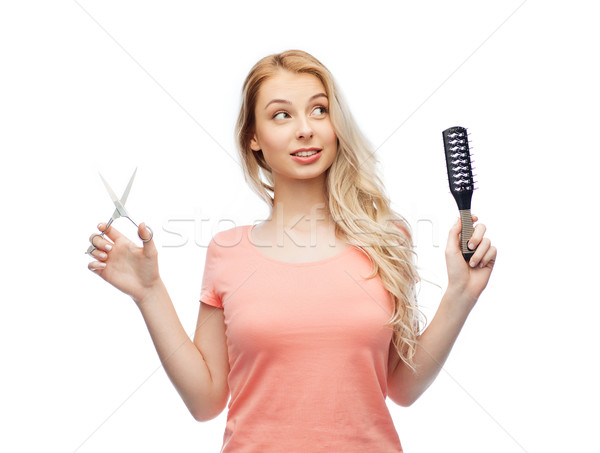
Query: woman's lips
{"x": 308, "y": 159}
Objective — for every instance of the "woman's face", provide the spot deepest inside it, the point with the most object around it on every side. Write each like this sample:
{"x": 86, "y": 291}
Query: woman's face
{"x": 292, "y": 113}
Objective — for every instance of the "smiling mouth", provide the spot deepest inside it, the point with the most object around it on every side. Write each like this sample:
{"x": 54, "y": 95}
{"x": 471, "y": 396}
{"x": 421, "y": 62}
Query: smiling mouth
{"x": 306, "y": 153}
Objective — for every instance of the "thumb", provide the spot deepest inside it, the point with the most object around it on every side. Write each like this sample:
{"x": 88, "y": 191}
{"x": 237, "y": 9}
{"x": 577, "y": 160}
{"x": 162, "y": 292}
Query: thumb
{"x": 453, "y": 245}
{"x": 146, "y": 235}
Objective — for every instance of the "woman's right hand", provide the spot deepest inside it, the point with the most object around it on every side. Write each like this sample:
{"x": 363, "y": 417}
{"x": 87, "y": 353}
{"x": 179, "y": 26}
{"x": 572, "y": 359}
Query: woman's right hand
{"x": 129, "y": 268}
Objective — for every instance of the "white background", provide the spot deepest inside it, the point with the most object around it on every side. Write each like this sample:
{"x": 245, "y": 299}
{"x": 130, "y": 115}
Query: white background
{"x": 110, "y": 86}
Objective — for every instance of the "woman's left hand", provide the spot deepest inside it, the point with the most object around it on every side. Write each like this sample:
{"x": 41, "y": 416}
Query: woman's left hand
{"x": 468, "y": 280}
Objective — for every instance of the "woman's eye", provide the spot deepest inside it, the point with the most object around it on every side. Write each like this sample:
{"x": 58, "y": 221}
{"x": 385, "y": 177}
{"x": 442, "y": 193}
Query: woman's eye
{"x": 321, "y": 110}
{"x": 279, "y": 115}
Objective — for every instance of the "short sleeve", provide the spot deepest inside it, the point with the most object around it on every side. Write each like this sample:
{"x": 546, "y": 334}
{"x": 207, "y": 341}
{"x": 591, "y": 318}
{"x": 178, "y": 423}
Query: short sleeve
{"x": 209, "y": 294}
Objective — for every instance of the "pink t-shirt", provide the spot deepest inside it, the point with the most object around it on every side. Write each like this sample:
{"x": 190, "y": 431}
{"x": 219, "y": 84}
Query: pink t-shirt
{"x": 308, "y": 350}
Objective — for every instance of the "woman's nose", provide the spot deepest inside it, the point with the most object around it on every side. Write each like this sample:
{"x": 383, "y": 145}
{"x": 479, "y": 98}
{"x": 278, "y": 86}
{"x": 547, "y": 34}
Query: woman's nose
{"x": 304, "y": 130}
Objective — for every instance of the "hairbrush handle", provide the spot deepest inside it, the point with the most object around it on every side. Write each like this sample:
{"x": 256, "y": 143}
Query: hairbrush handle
{"x": 466, "y": 232}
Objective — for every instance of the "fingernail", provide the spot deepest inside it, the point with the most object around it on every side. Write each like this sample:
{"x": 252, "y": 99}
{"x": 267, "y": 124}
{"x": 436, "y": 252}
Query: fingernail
{"x": 472, "y": 263}
{"x": 108, "y": 247}
{"x": 102, "y": 255}
{"x": 100, "y": 225}
{"x": 99, "y": 266}
{"x": 471, "y": 246}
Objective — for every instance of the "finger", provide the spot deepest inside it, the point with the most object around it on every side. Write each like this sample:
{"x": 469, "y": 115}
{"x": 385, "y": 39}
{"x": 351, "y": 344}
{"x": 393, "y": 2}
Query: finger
{"x": 489, "y": 258}
{"x": 482, "y": 249}
{"x": 100, "y": 242}
{"x": 96, "y": 266}
{"x": 111, "y": 232}
{"x": 99, "y": 254}
{"x": 147, "y": 236}
{"x": 477, "y": 236}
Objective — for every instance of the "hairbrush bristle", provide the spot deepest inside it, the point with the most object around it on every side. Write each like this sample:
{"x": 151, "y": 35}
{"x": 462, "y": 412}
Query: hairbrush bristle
{"x": 459, "y": 160}
{"x": 459, "y": 164}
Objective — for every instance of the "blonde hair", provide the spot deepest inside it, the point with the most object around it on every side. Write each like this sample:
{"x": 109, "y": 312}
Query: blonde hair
{"x": 355, "y": 196}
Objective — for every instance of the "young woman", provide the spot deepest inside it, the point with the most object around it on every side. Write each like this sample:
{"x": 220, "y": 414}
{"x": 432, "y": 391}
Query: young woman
{"x": 308, "y": 320}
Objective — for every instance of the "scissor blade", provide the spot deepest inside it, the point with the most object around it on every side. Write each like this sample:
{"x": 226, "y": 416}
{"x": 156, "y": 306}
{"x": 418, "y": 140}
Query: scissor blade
{"x": 114, "y": 198}
{"x": 126, "y": 193}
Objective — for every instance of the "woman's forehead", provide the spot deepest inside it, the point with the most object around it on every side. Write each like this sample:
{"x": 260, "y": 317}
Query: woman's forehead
{"x": 286, "y": 85}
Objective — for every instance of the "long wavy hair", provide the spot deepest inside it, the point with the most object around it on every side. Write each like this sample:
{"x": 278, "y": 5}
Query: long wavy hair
{"x": 355, "y": 194}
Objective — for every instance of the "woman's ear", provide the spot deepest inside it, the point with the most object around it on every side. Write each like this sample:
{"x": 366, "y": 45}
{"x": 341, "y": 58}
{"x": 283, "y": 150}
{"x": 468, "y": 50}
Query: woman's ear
{"x": 254, "y": 145}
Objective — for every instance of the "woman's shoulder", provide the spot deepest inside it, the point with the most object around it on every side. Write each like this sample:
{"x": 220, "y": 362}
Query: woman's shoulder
{"x": 231, "y": 236}
{"x": 404, "y": 228}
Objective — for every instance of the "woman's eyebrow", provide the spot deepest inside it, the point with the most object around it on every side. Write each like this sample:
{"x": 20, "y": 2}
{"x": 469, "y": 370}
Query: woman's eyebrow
{"x": 284, "y": 101}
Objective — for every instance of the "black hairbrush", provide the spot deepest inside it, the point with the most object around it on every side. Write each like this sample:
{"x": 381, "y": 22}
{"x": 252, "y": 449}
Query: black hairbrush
{"x": 460, "y": 178}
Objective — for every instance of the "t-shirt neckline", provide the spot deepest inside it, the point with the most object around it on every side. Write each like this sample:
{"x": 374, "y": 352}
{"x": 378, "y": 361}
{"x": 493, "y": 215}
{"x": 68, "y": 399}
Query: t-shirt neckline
{"x": 257, "y": 251}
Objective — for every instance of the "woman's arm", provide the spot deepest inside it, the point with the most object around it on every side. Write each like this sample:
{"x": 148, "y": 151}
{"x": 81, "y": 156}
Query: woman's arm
{"x": 198, "y": 369}
{"x": 465, "y": 284}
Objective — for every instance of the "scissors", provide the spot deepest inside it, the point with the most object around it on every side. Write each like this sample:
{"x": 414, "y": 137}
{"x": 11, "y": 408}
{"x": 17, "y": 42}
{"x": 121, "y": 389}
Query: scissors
{"x": 120, "y": 210}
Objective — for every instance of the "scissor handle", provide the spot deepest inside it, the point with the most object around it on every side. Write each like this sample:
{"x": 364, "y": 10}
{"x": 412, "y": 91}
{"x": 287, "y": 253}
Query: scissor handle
{"x": 91, "y": 248}
{"x": 137, "y": 226}
{"x": 151, "y": 235}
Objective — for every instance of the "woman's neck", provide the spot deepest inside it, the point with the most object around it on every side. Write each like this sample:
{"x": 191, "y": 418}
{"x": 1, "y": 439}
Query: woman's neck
{"x": 301, "y": 205}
